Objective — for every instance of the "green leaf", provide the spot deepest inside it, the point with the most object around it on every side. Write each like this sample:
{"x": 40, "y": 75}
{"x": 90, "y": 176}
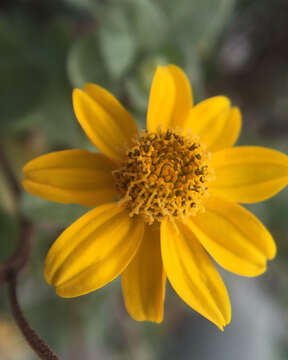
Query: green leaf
{"x": 117, "y": 41}
{"x": 149, "y": 22}
{"x": 85, "y": 64}
{"x": 51, "y": 105}
{"x": 197, "y": 24}
{"x": 21, "y": 77}
{"x": 39, "y": 210}
{"x": 138, "y": 97}
{"x": 215, "y": 27}
{"x": 57, "y": 121}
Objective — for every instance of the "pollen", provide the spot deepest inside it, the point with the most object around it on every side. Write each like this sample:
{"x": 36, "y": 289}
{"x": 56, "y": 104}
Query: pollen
{"x": 164, "y": 174}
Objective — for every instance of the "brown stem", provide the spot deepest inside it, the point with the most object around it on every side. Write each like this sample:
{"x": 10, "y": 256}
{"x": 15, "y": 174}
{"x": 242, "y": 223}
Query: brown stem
{"x": 9, "y": 173}
{"x": 21, "y": 255}
{"x": 35, "y": 341}
{"x": 10, "y": 269}
{"x": 22, "y": 252}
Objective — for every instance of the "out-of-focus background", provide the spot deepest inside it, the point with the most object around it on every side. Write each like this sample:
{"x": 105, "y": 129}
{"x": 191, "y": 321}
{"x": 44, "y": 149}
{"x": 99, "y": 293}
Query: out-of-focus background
{"x": 237, "y": 48}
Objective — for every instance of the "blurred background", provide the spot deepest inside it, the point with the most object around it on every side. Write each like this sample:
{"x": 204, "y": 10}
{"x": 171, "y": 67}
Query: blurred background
{"x": 237, "y": 48}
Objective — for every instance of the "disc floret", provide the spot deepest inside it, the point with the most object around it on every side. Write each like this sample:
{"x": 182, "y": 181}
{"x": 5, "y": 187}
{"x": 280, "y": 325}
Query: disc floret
{"x": 164, "y": 174}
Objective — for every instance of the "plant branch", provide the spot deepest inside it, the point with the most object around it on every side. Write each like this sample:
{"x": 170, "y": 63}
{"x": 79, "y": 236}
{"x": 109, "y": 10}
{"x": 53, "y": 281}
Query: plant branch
{"x": 22, "y": 253}
{"x": 35, "y": 341}
{"x": 10, "y": 269}
{"x": 9, "y": 173}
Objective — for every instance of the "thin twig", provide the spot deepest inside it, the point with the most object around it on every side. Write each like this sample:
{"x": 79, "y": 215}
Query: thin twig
{"x": 21, "y": 255}
{"x": 10, "y": 269}
{"x": 22, "y": 252}
{"x": 35, "y": 341}
{"x": 9, "y": 173}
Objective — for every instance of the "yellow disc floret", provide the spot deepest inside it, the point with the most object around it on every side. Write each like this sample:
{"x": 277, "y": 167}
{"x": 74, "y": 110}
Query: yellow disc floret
{"x": 164, "y": 174}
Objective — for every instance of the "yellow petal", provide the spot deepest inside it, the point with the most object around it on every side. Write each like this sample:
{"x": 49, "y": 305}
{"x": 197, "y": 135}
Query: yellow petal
{"x": 203, "y": 114}
{"x": 217, "y": 124}
{"x": 71, "y": 176}
{"x": 234, "y": 237}
{"x": 93, "y": 251}
{"x": 229, "y": 133}
{"x": 170, "y": 99}
{"x": 143, "y": 281}
{"x": 107, "y": 124}
{"x": 192, "y": 274}
{"x": 248, "y": 173}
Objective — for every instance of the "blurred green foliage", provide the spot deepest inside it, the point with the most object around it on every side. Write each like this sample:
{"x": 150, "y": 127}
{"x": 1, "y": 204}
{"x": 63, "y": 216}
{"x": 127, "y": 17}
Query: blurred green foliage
{"x": 47, "y": 49}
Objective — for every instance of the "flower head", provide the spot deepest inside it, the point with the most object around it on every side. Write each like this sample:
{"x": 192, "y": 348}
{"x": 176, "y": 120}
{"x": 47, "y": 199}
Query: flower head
{"x": 163, "y": 199}
{"x": 163, "y": 175}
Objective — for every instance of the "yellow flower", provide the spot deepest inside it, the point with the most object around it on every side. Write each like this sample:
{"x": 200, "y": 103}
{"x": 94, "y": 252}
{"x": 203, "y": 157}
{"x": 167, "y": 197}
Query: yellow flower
{"x": 176, "y": 188}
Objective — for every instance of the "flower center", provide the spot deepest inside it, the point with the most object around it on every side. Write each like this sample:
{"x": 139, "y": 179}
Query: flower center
{"x": 164, "y": 174}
